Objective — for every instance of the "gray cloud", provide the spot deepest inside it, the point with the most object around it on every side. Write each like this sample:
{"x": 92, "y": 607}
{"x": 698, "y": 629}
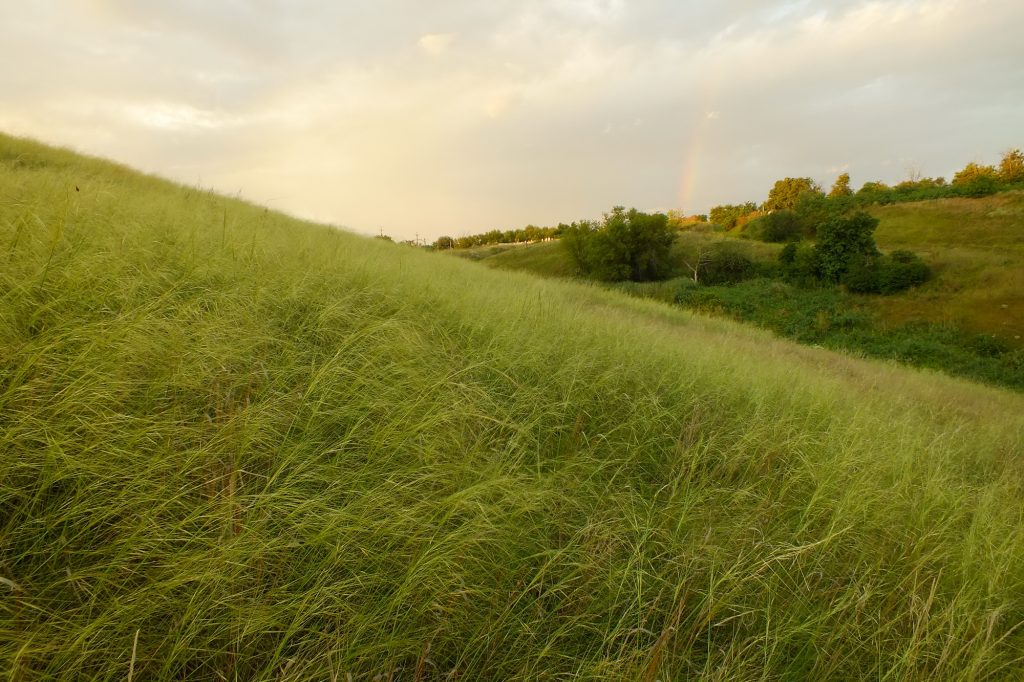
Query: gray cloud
{"x": 458, "y": 116}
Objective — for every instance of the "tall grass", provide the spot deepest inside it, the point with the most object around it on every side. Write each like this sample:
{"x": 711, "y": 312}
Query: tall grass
{"x": 238, "y": 446}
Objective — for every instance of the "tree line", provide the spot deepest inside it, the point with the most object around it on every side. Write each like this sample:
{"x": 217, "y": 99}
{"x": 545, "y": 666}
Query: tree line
{"x": 973, "y": 180}
{"x": 828, "y": 236}
{"x": 788, "y": 194}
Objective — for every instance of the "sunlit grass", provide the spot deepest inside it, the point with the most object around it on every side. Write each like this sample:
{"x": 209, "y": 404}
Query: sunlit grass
{"x": 976, "y": 247}
{"x": 238, "y": 446}
{"x": 548, "y": 259}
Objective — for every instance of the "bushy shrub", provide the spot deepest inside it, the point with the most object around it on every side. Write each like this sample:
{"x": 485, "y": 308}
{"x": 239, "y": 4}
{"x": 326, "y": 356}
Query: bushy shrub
{"x": 885, "y": 275}
{"x": 844, "y": 239}
{"x": 902, "y": 270}
{"x": 833, "y": 318}
{"x": 684, "y": 290}
{"x": 776, "y": 227}
{"x": 979, "y": 186}
{"x": 863, "y": 275}
{"x": 875, "y": 192}
{"x": 627, "y": 245}
{"x": 805, "y": 268}
{"x": 728, "y": 215}
{"x": 788, "y": 254}
{"x": 693, "y": 296}
{"x": 726, "y": 266}
{"x": 975, "y": 180}
{"x": 575, "y": 238}
{"x": 813, "y": 209}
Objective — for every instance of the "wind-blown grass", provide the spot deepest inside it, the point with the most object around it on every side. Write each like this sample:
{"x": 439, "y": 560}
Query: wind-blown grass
{"x": 238, "y": 446}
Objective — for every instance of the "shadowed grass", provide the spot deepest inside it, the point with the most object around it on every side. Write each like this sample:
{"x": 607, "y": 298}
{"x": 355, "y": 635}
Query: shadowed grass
{"x": 239, "y": 446}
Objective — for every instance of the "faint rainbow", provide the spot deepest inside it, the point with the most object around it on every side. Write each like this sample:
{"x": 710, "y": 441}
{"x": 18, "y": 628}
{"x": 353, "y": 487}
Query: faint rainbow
{"x": 694, "y": 149}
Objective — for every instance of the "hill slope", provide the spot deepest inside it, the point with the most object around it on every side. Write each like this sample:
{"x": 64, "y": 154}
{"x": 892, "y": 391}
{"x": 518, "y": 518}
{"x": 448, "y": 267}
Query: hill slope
{"x": 968, "y": 320}
{"x": 977, "y": 249}
{"x": 975, "y": 246}
{"x": 239, "y": 446}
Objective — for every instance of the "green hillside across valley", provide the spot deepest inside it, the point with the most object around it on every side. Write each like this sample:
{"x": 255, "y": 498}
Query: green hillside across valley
{"x": 967, "y": 320}
{"x": 976, "y": 247}
{"x": 239, "y": 446}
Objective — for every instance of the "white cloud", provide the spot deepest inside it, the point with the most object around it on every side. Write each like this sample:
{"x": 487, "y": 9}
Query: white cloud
{"x": 594, "y": 10}
{"x": 171, "y": 116}
{"x": 335, "y": 111}
{"x": 435, "y": 44}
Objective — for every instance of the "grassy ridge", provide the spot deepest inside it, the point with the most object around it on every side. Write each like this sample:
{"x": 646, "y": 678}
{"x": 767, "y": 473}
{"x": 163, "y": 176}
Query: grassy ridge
{"x": 238, "y": 446}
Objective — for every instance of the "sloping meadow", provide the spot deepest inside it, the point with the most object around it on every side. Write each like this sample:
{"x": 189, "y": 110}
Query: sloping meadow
{"x": 234, "y": 445}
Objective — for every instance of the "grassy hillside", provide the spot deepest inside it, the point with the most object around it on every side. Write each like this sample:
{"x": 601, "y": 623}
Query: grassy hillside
{"x": 975, "y": 246}
{"x": 547, "y": 259}
{"x": 238, "y": 446}
{"x": 968, "y": 320}
{"x": 977, "y": 249}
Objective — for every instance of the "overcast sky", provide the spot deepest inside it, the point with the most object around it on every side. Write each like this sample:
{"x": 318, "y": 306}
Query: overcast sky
{"x": 461, "y": 116}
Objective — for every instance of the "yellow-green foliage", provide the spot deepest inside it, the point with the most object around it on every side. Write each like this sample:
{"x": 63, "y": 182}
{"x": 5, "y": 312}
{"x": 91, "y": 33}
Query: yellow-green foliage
{"x": 234, "y": 445}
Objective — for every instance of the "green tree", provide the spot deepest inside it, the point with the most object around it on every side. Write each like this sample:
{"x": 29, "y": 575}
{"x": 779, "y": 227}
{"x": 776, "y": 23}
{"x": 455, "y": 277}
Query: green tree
{"x": 841, "y": 187}
{"x": 972, "y": 171}
{"x": 902, "y": 270}
{"x": 635, "y": 245}
{"x": 876, "y": 191}
{"x": 975, "y": 178}
{"x": 867, "y": 274}
{"x": 844, "y": 239}
{"x": 786, "y": 192}
{"x": 813, "y": 209}
{"x": 800, "y": 263}
{"x": 777, "y": 226}
{"x": 676, "y": 218}
{"x": 874, "y": 187}
{"x": 863, "y": 275}
{"x": 727, "y": 215}
{"x": 788, "y": 253}
{"x": 575, "y": 238}
{"x": 626, "y": 245}
{"x": 1011, "y": 168}
{"x": 444, "y": 243}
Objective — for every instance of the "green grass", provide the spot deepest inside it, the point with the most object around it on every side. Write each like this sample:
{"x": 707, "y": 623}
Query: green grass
{"x": 550, "y": 259}
{"x": 976, "y": 247}
{"x": 234, "y": 445}
{"x": 547, "y": 259}
{"x": 834, "y": 319}
{"x": 973, "y": 305}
